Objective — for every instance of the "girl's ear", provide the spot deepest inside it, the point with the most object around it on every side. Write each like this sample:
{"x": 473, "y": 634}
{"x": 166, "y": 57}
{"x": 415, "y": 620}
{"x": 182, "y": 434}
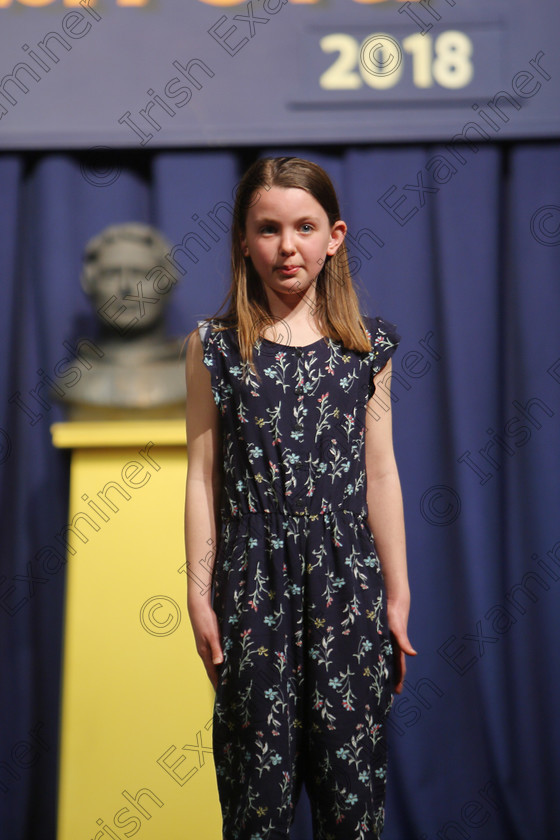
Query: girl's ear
{"x": 338, "y": 232}
{"x": 244, "y": 248}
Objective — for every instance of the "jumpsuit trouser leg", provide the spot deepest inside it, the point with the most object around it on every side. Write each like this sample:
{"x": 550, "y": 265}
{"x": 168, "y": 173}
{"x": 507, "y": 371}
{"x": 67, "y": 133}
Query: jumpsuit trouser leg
{"x": 303, "y": 695}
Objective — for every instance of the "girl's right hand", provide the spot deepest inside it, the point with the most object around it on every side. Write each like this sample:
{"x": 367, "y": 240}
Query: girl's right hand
{"x": 207, "y": 638}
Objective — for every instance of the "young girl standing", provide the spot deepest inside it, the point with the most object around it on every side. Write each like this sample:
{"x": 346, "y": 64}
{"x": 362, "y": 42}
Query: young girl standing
{"x": 300, "y": 616}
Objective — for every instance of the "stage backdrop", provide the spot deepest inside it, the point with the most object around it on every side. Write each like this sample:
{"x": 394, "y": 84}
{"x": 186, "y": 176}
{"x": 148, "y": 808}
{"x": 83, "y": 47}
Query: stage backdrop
{"x": 469, "y": 272}
{"x": 138, "y": 73}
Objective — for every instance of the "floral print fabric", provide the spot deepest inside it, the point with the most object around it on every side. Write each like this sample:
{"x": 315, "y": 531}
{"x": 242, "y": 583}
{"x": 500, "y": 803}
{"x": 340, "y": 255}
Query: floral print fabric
{"x": 306, "y": 681}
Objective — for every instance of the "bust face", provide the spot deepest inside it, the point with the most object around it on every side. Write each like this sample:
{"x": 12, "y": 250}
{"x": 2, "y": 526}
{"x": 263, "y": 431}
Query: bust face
{"x": 120, "y": 288}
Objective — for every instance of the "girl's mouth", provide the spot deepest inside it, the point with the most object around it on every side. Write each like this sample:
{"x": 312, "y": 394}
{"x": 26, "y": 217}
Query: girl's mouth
{"x": 288, "y": 269}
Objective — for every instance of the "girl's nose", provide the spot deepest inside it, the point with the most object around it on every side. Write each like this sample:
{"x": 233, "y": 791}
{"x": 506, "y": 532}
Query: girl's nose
{"x": 286, "y": 243}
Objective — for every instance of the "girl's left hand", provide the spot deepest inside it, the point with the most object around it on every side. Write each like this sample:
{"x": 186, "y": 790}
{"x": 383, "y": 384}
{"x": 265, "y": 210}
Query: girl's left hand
{"x": 397, "y": 616}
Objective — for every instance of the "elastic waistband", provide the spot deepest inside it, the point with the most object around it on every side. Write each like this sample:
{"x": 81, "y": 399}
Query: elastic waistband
{"x": 303, "y": 511}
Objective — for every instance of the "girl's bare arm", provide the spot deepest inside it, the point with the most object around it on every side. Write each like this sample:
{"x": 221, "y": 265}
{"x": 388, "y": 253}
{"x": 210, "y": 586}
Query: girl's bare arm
{"x": 386, "y": 518}
{"x": 202, "y": 498}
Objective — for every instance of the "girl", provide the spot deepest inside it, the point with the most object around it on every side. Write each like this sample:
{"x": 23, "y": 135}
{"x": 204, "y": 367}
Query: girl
{"x": 301, "y": 615}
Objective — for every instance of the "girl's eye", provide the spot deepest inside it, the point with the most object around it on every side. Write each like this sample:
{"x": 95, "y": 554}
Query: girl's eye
{"x": 307, "y": 227}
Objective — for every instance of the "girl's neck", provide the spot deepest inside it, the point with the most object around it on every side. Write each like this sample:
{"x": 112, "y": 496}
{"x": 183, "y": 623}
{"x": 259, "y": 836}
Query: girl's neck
{"x": 295, "y": 311}
{"x": 299, "y": 331}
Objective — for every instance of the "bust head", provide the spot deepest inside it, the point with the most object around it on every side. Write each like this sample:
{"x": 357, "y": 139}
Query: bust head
{"x": 118, "y": 275}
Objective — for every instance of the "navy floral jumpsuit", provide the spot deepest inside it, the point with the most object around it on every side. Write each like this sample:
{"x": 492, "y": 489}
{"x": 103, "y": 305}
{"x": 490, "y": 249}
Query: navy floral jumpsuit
{"x": 306, "y": 682}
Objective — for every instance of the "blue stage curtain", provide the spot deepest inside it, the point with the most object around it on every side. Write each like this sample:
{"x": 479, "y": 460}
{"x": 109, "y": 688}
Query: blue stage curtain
{"x": 457, "y": 245}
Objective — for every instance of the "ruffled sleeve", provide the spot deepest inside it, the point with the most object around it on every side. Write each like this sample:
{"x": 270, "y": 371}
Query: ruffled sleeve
{"x": 385, "y": 340}
{"x": 210, "y": 357}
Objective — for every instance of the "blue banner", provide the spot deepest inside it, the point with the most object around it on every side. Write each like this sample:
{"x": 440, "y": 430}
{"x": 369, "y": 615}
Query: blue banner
{"x": 139, "y": 73}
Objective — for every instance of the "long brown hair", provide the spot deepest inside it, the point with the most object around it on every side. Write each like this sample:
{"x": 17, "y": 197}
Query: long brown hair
{"x": 337, "y": 309}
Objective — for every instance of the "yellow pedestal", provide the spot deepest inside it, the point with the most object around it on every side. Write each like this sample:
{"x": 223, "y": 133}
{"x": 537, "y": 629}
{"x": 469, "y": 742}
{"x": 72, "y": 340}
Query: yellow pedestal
{"x": 136, "y": 733}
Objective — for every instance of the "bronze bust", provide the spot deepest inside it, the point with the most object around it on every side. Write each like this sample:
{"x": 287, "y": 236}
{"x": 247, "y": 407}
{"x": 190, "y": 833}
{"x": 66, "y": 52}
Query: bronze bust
{"x": 136, "y": 366}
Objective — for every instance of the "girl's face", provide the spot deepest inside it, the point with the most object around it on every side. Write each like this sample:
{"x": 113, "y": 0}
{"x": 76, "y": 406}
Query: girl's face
{"x": 288, "y": 236}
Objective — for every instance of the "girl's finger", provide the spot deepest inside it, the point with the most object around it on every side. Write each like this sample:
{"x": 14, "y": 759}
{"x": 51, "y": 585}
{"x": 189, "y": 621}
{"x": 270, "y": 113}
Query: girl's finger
{"x": 404, "y": 643}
